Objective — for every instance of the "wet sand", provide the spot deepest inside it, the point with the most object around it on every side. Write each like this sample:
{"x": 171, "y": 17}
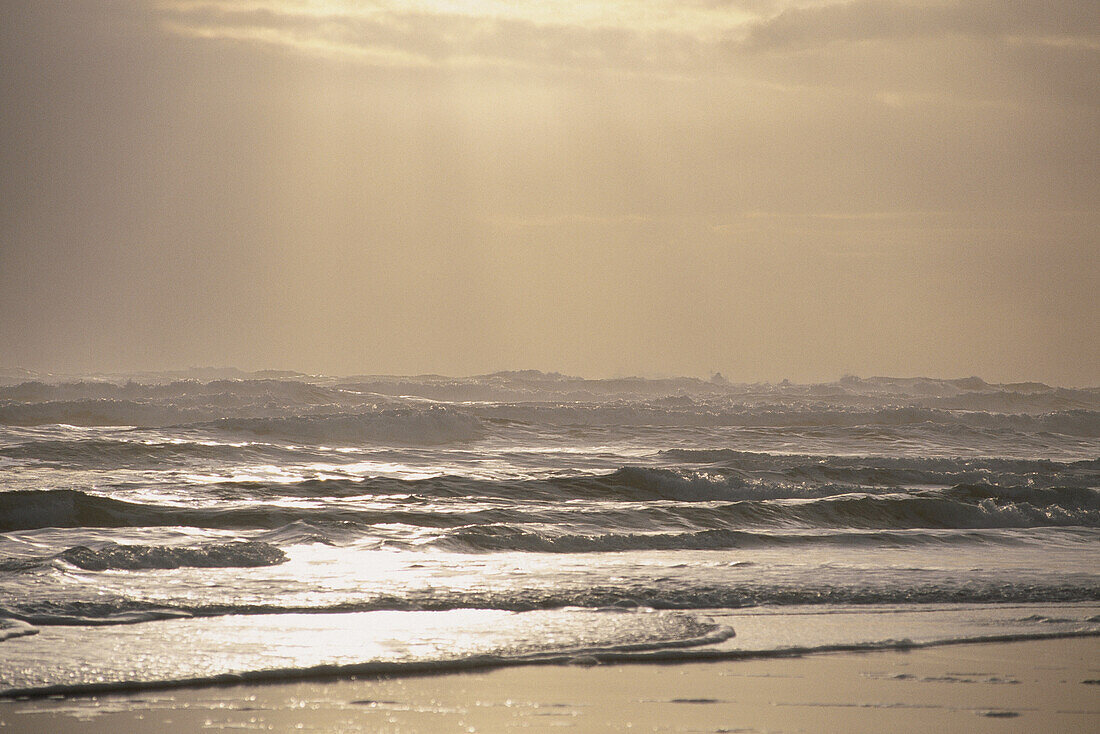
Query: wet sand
{"x": 1048, "y": 685}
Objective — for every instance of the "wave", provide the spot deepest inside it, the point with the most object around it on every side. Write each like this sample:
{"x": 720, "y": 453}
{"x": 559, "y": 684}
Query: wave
{"x": 402, "y": 426}
{"x": 511, "y": 538}
{"x": 115, "y": 557}
{"x": 690, "y": 651}
{"x": 730, "y": 476}
{"x": 1076, "y": 422}
{"x": 685, "y": 651}
{"x": 97, "y": 413}
{"x": 682, "y": 595}
{"x": 237, "y": 554}
{"x": 11, "y": 628}
{"x": 68, "y": 508}
{"x": 895, "y": 471}
{"x": 532, "y": 385}
{"x": 556, "y": 400}
{"x": 636, "y": 634}
{"x": 221, "y": 393}
{"x": 507, "y": 385}
{"x": 702, "y": 504}
{"x": 131, "y": 453}
{"x": 103, "y": 613}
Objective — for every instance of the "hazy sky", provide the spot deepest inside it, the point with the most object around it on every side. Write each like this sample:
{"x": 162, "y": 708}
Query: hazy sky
{"x": 766, "y": 188}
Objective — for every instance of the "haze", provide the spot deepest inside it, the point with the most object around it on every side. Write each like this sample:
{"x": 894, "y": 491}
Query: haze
{"x": 769, "y": 189}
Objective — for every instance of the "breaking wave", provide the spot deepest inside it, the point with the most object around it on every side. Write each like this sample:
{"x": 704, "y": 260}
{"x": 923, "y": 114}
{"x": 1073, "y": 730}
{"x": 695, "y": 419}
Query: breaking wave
{"x": 115, "y": 557}
{"x": 572, "y": 636}
{"x": 510, "y": 538}
{"x": 693, "y": 502}
{"x": 895, "y": 472}
{"x": 67, "y": 508}
{"x": 238, "y": 554}
{"x": 757, "y": 477}
{"x": 10, "y": 628}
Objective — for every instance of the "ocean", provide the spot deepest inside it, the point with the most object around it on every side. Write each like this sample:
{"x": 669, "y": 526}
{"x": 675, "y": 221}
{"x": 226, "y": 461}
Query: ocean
{"x": 167, "y": 528}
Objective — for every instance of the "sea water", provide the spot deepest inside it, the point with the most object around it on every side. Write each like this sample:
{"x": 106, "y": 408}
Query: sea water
{"x": 161, "y": 528}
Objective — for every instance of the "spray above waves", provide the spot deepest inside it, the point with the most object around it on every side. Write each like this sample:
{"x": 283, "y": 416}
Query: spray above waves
{"x": 195, "y": 393}
{"x": 233, "y": 387}
{"x": 329, "y": 409}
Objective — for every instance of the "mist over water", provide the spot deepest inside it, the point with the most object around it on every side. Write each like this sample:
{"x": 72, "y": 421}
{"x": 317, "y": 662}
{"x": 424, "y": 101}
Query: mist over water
{"x": 280, "y": 522}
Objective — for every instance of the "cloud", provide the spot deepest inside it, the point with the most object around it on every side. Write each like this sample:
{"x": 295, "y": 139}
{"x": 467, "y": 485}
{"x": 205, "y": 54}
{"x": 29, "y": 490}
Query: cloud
{"x": 640, "y": 34}
{"x": 1069, "y": 21}
{"x": 930, "y": 53}
{"x": 624, "y": 35}
{"x": 933, "y": 54}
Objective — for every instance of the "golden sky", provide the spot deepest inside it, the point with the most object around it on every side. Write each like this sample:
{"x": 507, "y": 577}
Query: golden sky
{"x": 766, "y": 188}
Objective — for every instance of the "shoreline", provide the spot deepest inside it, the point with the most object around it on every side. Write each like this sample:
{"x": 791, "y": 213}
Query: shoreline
{"x": 1050, "y": 684}
{"x": 675, "y": 655}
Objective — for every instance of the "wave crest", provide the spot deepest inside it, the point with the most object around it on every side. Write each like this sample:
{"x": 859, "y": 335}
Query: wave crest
{"x": 237, "y": 554}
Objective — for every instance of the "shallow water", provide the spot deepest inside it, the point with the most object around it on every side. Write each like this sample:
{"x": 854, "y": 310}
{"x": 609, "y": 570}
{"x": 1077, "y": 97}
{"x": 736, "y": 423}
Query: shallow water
{"x": 186, "y": 530}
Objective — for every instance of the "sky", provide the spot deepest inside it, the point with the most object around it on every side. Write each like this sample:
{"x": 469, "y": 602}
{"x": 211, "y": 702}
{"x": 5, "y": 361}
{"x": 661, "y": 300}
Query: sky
{"x": 765, "y": 188}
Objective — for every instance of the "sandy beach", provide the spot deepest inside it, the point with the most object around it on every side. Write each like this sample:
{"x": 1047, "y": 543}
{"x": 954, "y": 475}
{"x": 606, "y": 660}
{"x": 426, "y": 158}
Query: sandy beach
{"x": 1048, "y": 685}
